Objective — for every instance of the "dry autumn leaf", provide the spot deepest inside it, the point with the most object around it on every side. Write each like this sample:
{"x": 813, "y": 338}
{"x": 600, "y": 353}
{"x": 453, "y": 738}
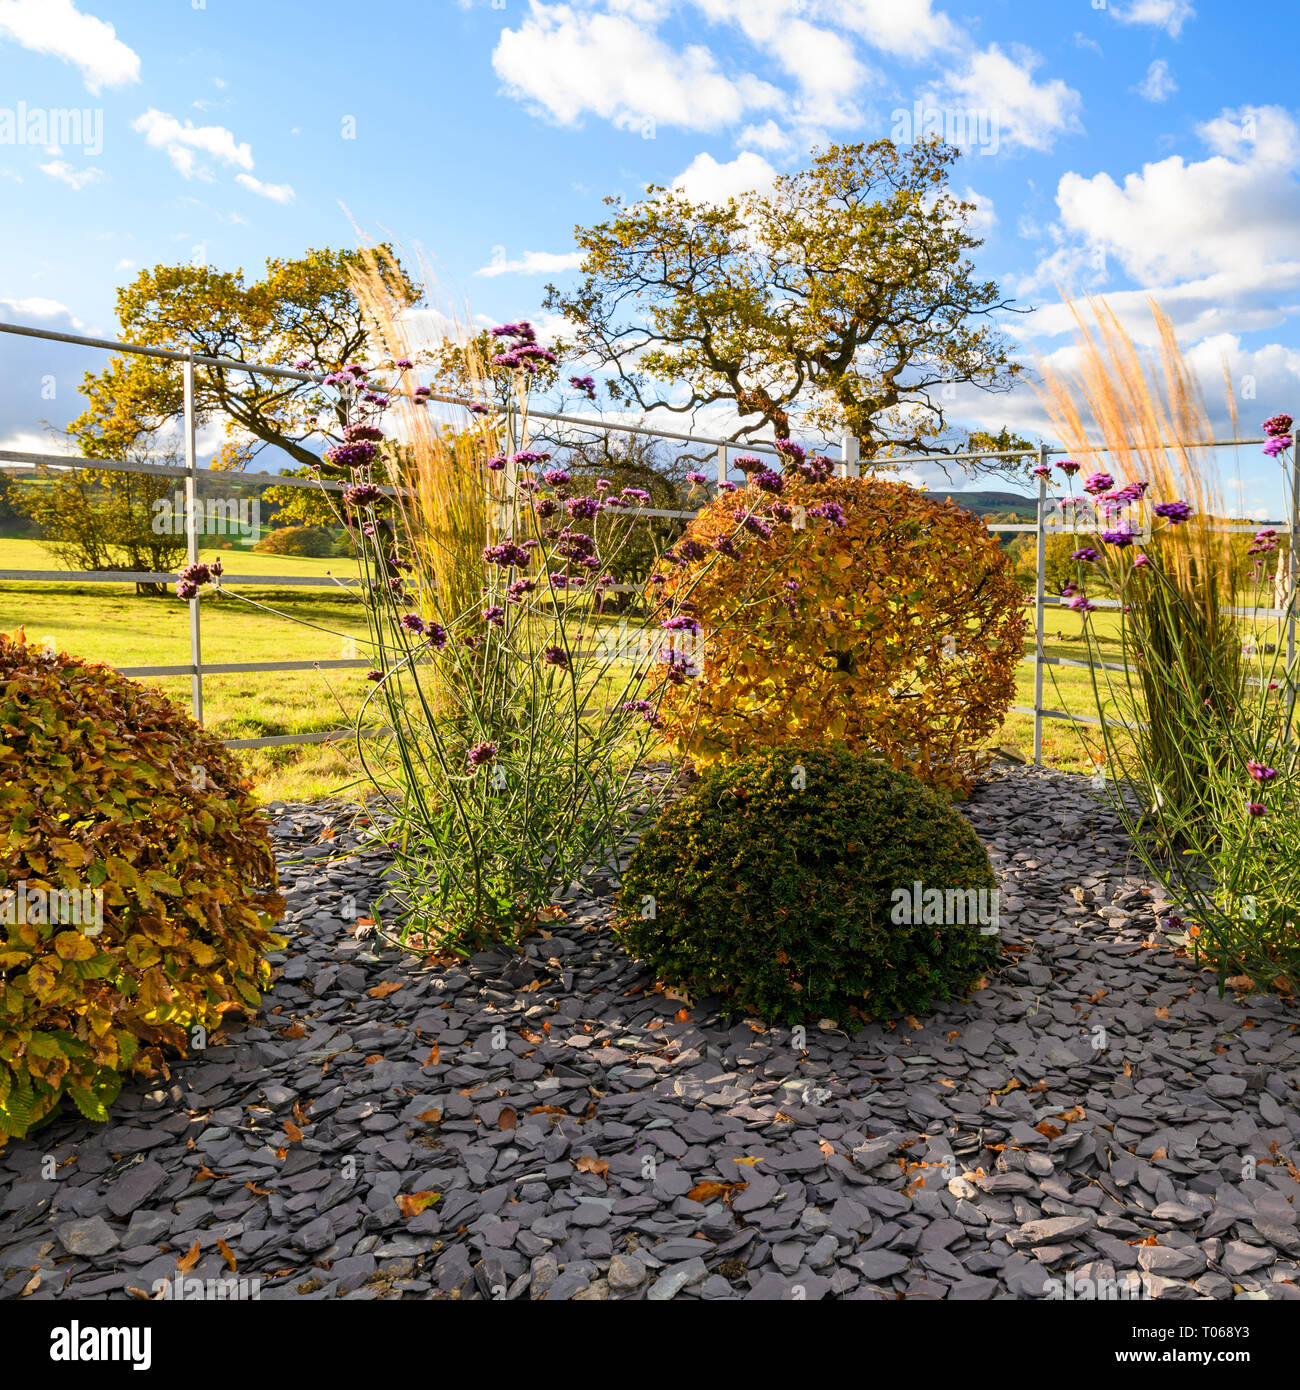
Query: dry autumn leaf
{"x": 711, "y": 1191}
{"x": 429, "y": 1117}
{"x": 588, "y": 1163}
{"x": 507, "y": 1119}
{"x": 186, "y": 1262}
{"x": 413, "y": 1203}
{"x": 382, "y": 991}
{"x": 293, "y": 1132}
{"x": 228, "y": 1255}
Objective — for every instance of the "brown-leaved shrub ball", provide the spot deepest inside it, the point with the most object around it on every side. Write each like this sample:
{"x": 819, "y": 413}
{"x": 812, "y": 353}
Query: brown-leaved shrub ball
{"x": 137, "y": 884}
{"x": 875, "y": 616}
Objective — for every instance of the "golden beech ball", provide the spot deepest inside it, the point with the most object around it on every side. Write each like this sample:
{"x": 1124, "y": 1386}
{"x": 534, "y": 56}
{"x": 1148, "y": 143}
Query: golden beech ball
{"x": 898, "y": 632}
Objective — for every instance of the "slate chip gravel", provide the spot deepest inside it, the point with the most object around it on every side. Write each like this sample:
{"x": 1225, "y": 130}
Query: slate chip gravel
{"x": 993, "y": 1149}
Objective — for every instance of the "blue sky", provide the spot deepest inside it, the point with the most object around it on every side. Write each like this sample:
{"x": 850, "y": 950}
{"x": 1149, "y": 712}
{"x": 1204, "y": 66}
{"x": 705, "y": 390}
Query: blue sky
{"x": 1129, "y": 148}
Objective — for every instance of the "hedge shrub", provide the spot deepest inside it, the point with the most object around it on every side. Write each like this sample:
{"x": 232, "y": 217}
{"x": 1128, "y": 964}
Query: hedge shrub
{"x": 297, "y": 540}
{"x": 897, "y": 632}
{"x": 781, "y": 897}
{"x": 107, "y": 786}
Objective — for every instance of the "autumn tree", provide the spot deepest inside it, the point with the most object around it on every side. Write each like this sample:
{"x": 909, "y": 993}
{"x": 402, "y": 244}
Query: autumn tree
{"x": 97, "y": 519}
{"x": 302, "y": 309}
{"x": 843, "y": 300}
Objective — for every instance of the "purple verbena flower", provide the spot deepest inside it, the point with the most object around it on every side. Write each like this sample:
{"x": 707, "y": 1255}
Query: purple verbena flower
{"x": 480, "y": 755}
{"x": 1175, "y": 511}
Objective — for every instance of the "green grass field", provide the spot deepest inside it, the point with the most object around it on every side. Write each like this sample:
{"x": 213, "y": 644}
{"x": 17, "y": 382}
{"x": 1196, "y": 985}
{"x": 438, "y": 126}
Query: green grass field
{"x": 110, "y": 623}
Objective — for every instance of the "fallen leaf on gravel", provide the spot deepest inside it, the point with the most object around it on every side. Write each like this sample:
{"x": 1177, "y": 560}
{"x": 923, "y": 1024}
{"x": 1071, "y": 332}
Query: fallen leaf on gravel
{"x": 186, "y": 1262}
{"x": 294, "y": 1032}
{"x": 1162, "y": 1012}
{"x": 588, "y": 1163}
{"x": 372, "y": 1059}
{"x": 382, "y": 991}
{"x": 711, "y": 1191}
{"x": 507, "y": 1119}
{"x": 912, "y": 1023}
{"x": 294, "y": 1133}
{"x": 413, "y": 1203}
{"x": 549, "y": 1110}
{"x": 749, "y": 1162}
{"x": 429, "y": 1117}
{"x": 435, "y": 1054}
{"x": 228, "y": 1255}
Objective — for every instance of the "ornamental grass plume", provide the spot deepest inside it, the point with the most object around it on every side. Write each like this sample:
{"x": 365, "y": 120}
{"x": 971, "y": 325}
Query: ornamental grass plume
{"x": 1148, "y": 416}
{"x": 1192, "y": 722}
{"x": 442, "y": 499}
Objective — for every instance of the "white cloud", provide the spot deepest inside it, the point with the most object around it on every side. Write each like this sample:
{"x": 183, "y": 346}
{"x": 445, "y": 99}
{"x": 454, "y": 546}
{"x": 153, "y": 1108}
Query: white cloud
{"x": 768, "y": 137}
{"x": 567, "y": 62}
{"x": 75, "y": 178}
{"x": 277, "y": 192}
{"x": 984, "y": 218}
{"x": 126, "y": 263}
{"x": 823, "y": 63}
{"x": 1023, "y": 112}
{"x": 1226, "y": 214}
{"x": 705, "y": 180}
{"x": 1083, "y": 41}
{"x": 903, "y": 28}
{"x": 1158, "y": 84}
{"x": 181, "y": 141}
{"x": 531, "y": 263}
{"x": 58, "y": 28}
{"x": 1169, "y": 15}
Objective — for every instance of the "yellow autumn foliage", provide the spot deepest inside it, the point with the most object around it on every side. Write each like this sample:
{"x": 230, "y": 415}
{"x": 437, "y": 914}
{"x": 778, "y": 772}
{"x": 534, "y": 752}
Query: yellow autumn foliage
{"x": 898, "y": 632}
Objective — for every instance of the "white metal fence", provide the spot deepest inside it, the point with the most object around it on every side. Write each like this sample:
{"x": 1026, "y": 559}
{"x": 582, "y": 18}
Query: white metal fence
{"x": 196, "y": 668}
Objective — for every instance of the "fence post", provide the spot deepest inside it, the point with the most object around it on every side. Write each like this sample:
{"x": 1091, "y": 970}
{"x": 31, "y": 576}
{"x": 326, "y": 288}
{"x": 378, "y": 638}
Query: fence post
{"x": 1040, "y": 608}
{"x": 848, "y": 455}
{"x": 722, "y": 463}
{"x": 192, "y": 537}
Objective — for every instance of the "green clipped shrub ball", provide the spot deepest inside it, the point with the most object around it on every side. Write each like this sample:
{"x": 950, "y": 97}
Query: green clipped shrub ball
{"x": 137, "y": 885}
{"x": 792, "y": 893}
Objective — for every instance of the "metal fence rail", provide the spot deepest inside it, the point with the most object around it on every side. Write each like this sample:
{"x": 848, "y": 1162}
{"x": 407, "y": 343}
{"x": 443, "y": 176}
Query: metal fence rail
{"x": 196, "y": 668}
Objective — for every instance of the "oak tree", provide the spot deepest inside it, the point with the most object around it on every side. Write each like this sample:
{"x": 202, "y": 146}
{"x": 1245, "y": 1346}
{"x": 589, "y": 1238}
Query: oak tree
{"x": 845, "y": 299}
